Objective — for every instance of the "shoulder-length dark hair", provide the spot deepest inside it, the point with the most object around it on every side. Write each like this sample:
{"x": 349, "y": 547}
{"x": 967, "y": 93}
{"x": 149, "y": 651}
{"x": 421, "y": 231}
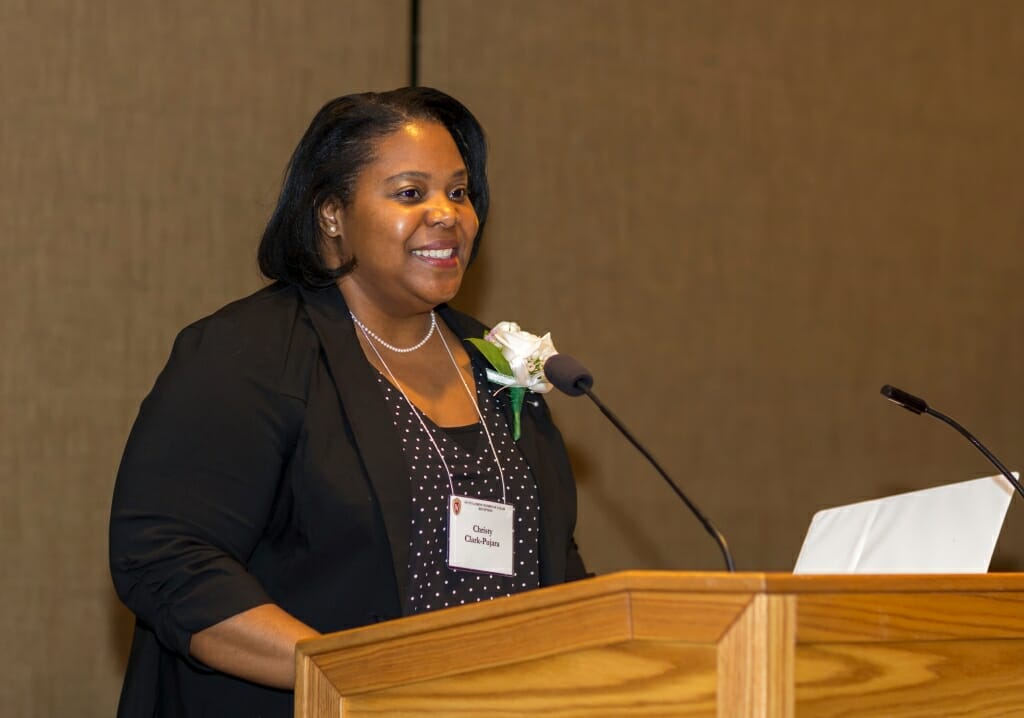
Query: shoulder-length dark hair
{"x": 338, "y": 144}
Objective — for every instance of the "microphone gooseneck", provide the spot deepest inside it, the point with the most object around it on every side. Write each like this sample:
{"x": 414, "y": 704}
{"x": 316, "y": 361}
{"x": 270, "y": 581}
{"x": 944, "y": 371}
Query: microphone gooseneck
{"x": 920, "y": 406}
{"x": 570, "y": 377}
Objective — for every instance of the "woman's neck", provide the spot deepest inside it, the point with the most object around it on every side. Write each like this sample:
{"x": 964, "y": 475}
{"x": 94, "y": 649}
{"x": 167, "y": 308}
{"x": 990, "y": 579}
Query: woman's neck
{"x": 399, "y": 328}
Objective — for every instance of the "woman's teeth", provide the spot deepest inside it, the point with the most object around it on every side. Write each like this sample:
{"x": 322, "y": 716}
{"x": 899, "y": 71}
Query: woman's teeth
{"x": 433, "y": 253}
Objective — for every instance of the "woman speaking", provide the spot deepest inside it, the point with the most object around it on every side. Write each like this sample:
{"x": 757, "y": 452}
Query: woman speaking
{"x": 311, "y": 457}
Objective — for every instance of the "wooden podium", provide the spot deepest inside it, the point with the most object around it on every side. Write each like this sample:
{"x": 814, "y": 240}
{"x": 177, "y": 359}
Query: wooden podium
{"x": 689, "y": 644}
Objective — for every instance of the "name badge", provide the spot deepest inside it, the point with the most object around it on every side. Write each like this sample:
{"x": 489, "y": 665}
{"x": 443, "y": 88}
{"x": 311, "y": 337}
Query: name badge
{"x": 480, "y": 535}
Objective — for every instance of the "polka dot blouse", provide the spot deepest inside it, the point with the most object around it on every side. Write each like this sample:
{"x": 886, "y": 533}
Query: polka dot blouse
{"x": 432, "y": 583}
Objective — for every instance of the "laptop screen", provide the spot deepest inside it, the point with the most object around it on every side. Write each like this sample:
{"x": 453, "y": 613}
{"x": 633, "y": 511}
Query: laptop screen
{"x": 946, "y": 529}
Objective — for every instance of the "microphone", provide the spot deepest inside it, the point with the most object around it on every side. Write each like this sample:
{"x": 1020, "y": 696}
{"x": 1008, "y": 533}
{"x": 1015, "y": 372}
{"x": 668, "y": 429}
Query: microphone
{"x": 569, "y": 376}
{"x": 920, "y": 406}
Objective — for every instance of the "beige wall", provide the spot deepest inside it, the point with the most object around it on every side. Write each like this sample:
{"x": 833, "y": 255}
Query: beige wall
{"x": 747, "y": 217}
{"x": 744, "y": 216}
{"x": 141, "y": 148}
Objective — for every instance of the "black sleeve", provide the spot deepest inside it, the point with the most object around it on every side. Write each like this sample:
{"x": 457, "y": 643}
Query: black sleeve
{"x": 197, "y": 483}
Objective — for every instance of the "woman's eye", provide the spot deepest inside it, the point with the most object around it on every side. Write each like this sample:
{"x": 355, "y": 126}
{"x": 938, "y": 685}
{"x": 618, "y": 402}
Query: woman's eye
{"x": 459, "y": 194}
{"x": 409, "y": 193}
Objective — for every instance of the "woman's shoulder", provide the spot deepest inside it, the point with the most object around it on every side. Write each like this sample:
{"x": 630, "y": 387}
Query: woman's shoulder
{"x": 265, "y": 336}
{"x": 257, "y": 311}
{"x": 267, "y": 317}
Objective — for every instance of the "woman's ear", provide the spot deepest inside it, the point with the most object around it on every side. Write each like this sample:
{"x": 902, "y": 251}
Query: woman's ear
{"x": 330, "y": 218}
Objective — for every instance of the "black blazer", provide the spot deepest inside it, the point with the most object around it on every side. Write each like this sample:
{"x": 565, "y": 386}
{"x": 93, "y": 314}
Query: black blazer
{"x": 264, "y": 467}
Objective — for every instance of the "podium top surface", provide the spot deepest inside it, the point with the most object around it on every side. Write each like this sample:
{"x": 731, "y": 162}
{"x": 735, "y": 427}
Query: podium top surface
{"x": 675, "y": 582}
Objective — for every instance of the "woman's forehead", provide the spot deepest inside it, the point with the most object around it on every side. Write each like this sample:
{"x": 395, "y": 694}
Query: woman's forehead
{"x": 420, "y": 146}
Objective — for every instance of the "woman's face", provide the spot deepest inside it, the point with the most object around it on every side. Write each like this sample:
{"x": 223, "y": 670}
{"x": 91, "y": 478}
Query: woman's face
{"x": 409, "y": 223}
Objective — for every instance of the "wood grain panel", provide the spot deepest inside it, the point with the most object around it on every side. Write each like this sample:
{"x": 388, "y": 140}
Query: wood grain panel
{"x": 755, "y": 660}
{"x": 317, "y": 696}
{"x": 694, "y": 617}
{"x": 980, "y": 679}
{"x": 663, "y": 679}
{"x": 905, "y": 617}
{"x": 514, "y": 637}
{"x": 889, "y": 653}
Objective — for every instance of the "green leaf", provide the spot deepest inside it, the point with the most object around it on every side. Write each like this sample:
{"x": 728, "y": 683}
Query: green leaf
{"x": 492, "y": 354}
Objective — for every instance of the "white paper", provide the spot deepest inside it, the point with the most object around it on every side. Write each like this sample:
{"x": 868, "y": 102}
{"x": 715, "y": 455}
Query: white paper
{"x": 947, "y": 529}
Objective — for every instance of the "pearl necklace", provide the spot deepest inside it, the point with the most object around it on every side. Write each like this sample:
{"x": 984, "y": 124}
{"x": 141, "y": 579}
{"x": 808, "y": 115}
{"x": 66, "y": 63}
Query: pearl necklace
{"x": 392, "y": 347}
{"x": 419, "y": 414}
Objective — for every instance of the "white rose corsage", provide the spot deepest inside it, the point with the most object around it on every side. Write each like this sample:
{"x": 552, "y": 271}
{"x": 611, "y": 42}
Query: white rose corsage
{"x": 517, "y": 358}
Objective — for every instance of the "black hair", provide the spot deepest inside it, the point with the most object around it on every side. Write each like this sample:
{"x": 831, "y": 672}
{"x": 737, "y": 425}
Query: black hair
{"x": 338, "y": 144}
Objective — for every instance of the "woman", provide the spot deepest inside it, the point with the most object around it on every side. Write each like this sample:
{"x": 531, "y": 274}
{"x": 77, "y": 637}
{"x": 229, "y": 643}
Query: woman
{"x": 293, "y": 470}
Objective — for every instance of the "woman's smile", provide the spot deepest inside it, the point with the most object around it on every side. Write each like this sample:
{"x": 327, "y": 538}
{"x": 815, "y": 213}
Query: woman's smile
{"x": 438, "y": 257}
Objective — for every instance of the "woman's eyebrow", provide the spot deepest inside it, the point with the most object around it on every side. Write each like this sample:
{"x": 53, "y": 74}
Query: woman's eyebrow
{"x": 415, "y": 174}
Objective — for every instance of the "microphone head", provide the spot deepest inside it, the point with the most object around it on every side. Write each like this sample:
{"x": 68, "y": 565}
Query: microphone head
{"x": 567, "y": 374}
{"x": 907, "y": 401}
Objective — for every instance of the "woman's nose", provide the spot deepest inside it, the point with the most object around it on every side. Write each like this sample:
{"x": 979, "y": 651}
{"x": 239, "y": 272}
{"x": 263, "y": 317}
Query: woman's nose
{"x": 443, "y": 212}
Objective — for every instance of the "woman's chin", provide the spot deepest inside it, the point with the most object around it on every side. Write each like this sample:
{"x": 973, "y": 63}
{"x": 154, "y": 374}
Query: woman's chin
{"x": 443, "y": 292}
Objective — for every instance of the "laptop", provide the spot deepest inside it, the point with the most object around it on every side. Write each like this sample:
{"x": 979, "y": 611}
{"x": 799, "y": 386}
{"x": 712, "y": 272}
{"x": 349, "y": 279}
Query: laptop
{"x": 946, "y": 529}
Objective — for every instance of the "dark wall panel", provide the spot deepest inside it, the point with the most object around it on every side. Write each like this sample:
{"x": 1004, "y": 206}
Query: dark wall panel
{"x": 747, "y": 217}
{"x": 143, "y": 144}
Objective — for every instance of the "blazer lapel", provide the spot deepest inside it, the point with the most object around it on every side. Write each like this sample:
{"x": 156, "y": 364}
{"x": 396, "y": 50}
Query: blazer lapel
{"x": 372, "y": 426}
{"x": 552, "y": 497}
{"x": 465, "y": 327}
{"x": 553, "y": 501}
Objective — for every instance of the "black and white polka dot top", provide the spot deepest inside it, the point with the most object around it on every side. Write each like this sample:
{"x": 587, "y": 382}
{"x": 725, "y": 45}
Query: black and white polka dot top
{"x": 432, "y": 584}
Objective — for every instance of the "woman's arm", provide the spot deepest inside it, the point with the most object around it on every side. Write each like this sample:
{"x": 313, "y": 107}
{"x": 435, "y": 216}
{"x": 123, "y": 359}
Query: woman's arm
{"x": 196, "y": 487}
{"x": 257, "y": 645}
